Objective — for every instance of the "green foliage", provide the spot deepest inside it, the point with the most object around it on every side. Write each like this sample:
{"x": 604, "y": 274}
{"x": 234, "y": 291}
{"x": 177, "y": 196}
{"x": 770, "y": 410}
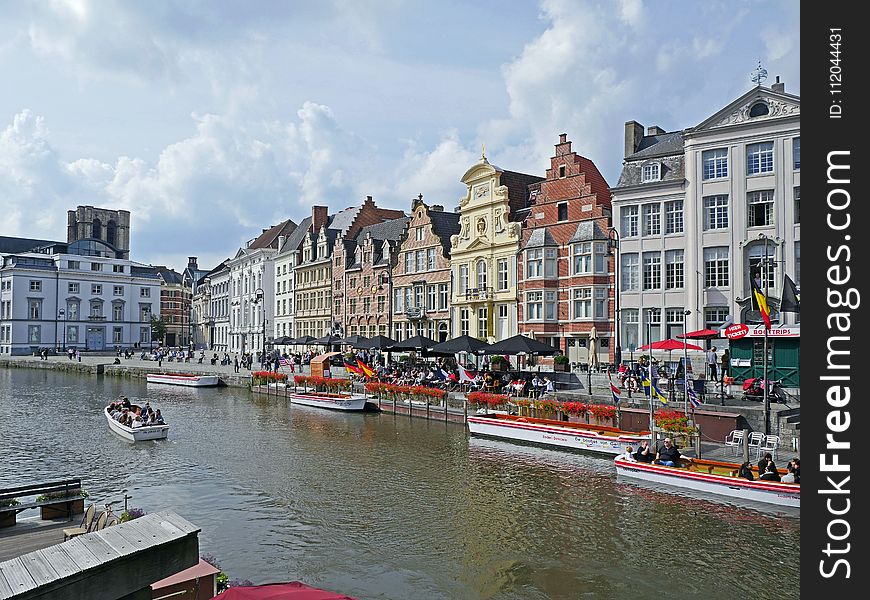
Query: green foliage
{"x": 222, "y": 582}
{"x": 9, "y": 502}
{"x": 158, "y": 328}
{"x": 497, "y": 360}
{"x": 62, "y": 495}
{"x": 560, "y": 359}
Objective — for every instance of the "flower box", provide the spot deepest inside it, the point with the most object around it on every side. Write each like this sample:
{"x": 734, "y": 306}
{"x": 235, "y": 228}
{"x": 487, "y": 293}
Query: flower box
{"x": 58, "y": 510}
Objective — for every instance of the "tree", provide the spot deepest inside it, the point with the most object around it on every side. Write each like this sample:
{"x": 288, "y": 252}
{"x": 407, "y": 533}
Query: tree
{"x": 158, "y": 329}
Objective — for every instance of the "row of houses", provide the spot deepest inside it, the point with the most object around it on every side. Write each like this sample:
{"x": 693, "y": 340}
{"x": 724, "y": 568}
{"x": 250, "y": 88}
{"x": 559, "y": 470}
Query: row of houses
{"x": 560, "y": 256}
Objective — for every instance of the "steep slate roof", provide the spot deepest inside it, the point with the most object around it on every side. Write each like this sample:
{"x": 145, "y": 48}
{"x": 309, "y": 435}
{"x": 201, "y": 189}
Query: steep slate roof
{"x": 588, "y": 231}
{"x": 390, "y": 230}
{"x": 444, "y": 225}
{"x": 295, "y": 239}
{"x": 14, "y": 245}
{"x": 541, "y": 237}
{"x": 658, "y": 145}
{"x": 343, "y": 219}
{"x": 518, "y": 189}
{"x": 169, "y": 276}
{"x": 269, "y": 238}
{"x": 214, "y": 271}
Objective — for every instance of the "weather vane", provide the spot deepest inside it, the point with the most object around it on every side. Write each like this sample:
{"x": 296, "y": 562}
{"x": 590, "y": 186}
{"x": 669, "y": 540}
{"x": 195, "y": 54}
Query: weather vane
{"x": 758, "y": 75}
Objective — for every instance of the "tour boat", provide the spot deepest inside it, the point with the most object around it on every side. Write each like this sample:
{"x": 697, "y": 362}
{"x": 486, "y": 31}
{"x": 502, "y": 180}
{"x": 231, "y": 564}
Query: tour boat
{"x": 331, "y": 400}
{"x": 139, "y": 434}
{"x": 713, "y": 477}
{"x": 188, "y": 379}
{"x": 578, "y": 436}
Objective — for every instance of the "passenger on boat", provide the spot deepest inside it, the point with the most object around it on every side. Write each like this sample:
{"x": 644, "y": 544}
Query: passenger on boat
{"x": 628, "y": 455}
{"x": 644, "y": 454}
{"x": 158, "y": 418}
{"x": 668, "y": 455}
{"x": 136, "y": 423}
{"x": 764, "y": 462}
{"x": 789, "y": 477}
{"x": 746, "y": 471}
{"x": 770, "y": 474}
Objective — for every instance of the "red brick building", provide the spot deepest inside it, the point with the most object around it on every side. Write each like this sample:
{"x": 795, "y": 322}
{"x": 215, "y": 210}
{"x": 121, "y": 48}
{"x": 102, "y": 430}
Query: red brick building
{"x": 421, "y": 277}
{"x": 564, "y": 268}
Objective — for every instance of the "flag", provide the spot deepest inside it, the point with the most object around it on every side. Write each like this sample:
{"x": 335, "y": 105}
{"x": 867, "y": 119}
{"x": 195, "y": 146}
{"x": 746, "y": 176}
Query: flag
{"x": 654, "y": 391}
{"x": 465, "y": 375}
{"x": 442, "y": 374}
{"x": 283, "y": 361}
{"x": 352, "y": 368}
{"x": 693, "y": 395}
{"x": 615, "y": 391}
{"x": 791, "y": 299}
{"x": 366, "y": 370}
{"x": 759, "y": 302}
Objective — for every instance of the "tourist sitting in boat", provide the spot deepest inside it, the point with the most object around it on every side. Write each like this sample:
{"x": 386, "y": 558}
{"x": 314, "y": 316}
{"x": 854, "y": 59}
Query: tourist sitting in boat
{"x": 644, "y": 454}
{"x": 628, "y": 455}
{"x": 770, "y": 473}
{"x": 158, "y": 418}
{"x": 764, "y": 462}
{"x": 136, "y": 422}
{"x": 746, "y": 472}
{"x": 668, "y": 455}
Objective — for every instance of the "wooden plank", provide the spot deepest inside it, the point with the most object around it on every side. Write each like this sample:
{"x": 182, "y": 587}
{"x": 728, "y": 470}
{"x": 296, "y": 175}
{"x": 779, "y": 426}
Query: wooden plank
{"x": 5, "y": 588}
{"x": 149, "y": 532}
{"x": 79, "y": 553}
{"x": 98, "y": 547}
{"x": 39, "y": 567}
{"x": 60, "y": 561}
{"x": 17, "y": 575}
{"x": 178, "y": 521}
{"x": 121, "y": 540}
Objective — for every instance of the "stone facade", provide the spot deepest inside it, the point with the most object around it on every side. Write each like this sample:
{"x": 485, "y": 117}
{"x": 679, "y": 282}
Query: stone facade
{"x": 565, "y": 273}
{"x": 109, "y": 226}
{"x": 421, "y": 281}
{"x": 484, "y": 252}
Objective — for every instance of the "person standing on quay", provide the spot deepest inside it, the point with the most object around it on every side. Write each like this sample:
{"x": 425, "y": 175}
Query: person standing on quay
{"x": 236, "y": 364}
{"x": 711, "y": 362}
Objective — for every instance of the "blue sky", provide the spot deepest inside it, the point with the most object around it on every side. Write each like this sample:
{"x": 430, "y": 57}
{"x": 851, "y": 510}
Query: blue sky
{"x": 210, "y": 121}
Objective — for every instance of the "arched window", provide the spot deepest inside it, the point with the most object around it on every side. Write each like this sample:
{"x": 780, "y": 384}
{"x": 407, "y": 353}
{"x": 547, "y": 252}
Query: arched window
{"x": 97, "y": 229}
{"x": 110, "y": 233}
{"x": 481, "y": 274}
{"x": 759, "y": 109}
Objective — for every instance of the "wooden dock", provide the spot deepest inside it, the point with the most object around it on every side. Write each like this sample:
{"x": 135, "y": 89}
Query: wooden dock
{"x": 32, "y": 534}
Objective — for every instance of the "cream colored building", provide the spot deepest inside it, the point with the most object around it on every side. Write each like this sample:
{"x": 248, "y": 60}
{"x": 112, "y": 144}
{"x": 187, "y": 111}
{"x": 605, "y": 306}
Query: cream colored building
{"x": 484, "y": 252}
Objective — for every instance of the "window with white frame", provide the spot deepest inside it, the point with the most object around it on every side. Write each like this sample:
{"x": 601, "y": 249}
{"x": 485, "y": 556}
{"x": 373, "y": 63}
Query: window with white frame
{"x": 118, "y": 290}
{"x": 463, "y": 278}
{"x": 582, "y": 258}
{"x": 72, "y": 288}
{"x": 601, "y": 303}
{"x": 431, "y": 297}
{"x": 482, "y": 322}
{"x": 630, "y": 272}
{"x": 759, "y": 208}
{"x": 96, "y": 288}
{"x": 534, "y": 306}
{"x": 675, "y": 319}
{"x": 96, "y": 308}
{"x": 630, "y": 319}
{"x": 481, "y": 275}
{"x": 759, "y": 158}
{"x": 430, "y": 258}
{"x": 409, "y": 262}
{"x": 421, "y": 261}
{"x": 550, "y": 255}
{"x": 502, "y": 273}
{"x": 652, "y": 270}
{"x": 674, "y": 216}
{"x": 534, "y": 263}
{"x": 651, "y": 172}
{"x": 628, "y": 221}
{"x": 652, "y": 219}
{"x": 96, "y": 266}
{"x": 716, "y": 267}
{"x": 715, "y": 316}
{"x": 73, "y": 264}
{"x": 653, "y": 323}
{"x": 72, "y": 311}
{"x": 762, "y": 264}
{"x": 550, "y": 305}
{"x": 418, "y": 234}
{"x": 143, "y": 334}
{"x": 464, "y": 323}
{"x": 796, "y": 153}
{"x": 674, "y": 270}
{"x": 418, "y": 296}
{"x": 34, "y": 334}
{"x": 144, "y": 292}
{"x": 716, "y": 212}
{"x": 34, "y": 309}
{"x": 118, "y": 312}
{"x": 442, "y": 296}
{"x": 715, "y": 163}
{"x": 600, "y": 254}
{"x": 35, "y": 285}
{"x": 117, "y": 335}
{"x": 117, "y": 268}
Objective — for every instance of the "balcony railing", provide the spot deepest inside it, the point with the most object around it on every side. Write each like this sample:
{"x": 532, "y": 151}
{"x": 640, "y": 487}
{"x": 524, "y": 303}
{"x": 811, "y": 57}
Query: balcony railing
{"x": 415, "y": 312}
{"x": 479, "y": 294}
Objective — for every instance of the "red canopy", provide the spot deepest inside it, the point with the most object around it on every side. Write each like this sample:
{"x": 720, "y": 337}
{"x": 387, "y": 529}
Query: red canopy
{"x": 669, "y": 345}
{"x": 701, "y": 334}
{"x": 295, "y": 590}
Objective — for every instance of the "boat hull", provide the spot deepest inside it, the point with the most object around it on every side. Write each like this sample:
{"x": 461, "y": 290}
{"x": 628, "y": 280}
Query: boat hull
{"x": 185, "y": 380}
{"x": 353, "y": 402}
{"x": 140, "y": 434}
{"x": 780, "y": 494}
{"x": 553, "y": 435}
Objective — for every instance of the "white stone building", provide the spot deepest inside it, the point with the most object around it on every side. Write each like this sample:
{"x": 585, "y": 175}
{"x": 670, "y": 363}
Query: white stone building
{"x": 76, "y": 295}
{"x": 699, "y": 209}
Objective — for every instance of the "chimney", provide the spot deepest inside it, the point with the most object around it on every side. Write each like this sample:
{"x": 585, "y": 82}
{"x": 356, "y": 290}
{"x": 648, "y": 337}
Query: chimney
{"x": 191, "y": 263}
{"x": 564, "y": 146}
{"x": 633, "y": 135}
{"x": 436, "y": 208}
{"x": 777, "y": 86}
{"x": 655, "y": 130}
{"x": 319, "y": 217}
{"x": 369, "y": 200}
{"x": 563, "y": 137}
{"x": 281, "y": 240}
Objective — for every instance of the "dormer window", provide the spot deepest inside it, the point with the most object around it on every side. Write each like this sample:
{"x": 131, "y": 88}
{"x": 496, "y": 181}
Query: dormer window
{"x": 651, "y": 172}
{"x": 759, "y": 109}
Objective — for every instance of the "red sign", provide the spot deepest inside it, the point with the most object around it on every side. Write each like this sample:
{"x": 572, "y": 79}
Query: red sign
{"x": 736, "y": 331}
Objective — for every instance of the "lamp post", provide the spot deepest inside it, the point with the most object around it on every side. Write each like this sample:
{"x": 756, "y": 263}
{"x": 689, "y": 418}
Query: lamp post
{"x": 61, "y": 314}
{"x": 258, "y": 300}
{"x": 613, "y": 249}
{"x": 147, "y": 312}
{"x": 387, "y": 277}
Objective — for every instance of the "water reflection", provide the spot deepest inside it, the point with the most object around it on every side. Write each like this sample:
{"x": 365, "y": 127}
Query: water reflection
{"x": 383, "y": 506}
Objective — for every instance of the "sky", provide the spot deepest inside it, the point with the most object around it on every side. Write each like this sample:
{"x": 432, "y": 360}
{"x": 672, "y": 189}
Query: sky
{"x": 213, "y": 120}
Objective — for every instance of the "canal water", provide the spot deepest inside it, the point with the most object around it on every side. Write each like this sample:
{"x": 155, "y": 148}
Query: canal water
{"x": 383, "y": 506}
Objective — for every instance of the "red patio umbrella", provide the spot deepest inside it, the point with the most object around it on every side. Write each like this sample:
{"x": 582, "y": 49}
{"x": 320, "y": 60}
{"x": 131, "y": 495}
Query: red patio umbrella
{"x": 701, "y": 334}
{"x": 669, "y": 345}
{"x": 295, "y": 590}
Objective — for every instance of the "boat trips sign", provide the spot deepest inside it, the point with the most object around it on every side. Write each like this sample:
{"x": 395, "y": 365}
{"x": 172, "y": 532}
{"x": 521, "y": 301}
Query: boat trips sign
{"x": 740, "y": 330}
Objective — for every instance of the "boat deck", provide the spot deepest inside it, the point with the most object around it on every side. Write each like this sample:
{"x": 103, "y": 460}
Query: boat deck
{"x": 601, "y": 430}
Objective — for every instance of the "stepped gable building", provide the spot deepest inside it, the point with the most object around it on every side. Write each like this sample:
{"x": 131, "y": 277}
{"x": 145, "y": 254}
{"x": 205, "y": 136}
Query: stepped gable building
{"x": 421, "y": 281}
{"x": 565, "y": 272}
{"x": 361, "y": 268}
{"x": 484, "y": 252}
{"x": 700, "y": 210}
{"x": 252, "y": 288}
{"x": 309, "y": 255}
{"x": 174, "y": 301}
{"x": 111, "y": 227}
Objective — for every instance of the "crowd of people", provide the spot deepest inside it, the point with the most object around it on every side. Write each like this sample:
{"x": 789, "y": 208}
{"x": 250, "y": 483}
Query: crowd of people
{"x": 134, "y": 416}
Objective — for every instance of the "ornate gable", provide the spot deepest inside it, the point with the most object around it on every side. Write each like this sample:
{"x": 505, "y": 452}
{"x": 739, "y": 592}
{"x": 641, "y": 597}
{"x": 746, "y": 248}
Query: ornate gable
{"x": 759, "y": 104}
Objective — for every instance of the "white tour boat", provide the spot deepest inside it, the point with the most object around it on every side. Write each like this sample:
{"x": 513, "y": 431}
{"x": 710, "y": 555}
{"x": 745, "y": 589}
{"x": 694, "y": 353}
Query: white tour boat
{"x": 713, "y": 477}
{"x": 329, "y": 400}
{"x": 578, "y": 436}
{"x": 187, "y": 379}
{"x": 139, "y": 434}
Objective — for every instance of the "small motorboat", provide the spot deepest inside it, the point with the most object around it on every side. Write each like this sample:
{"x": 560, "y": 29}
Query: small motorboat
{"x": 137, "y": 434}
{"x": 186, "y": 379}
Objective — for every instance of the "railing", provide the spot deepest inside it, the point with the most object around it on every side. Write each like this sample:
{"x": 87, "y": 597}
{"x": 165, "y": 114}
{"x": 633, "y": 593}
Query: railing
{"x": 96, "y": 318}
{"x": 415, "y": 312}
{"x": 479, "y": 294}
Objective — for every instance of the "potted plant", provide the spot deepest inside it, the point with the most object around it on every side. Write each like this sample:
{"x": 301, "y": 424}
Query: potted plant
{"x": 499, "y": 363}
{"x": 7, "y": 518}
{"x": 560, "y": 363}
{"x": 56, "y": 510}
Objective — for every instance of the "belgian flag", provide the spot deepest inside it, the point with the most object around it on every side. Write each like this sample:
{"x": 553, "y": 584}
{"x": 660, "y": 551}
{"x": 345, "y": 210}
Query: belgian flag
{"x": 791, "y": 299}
{"x": 759, "y": 301}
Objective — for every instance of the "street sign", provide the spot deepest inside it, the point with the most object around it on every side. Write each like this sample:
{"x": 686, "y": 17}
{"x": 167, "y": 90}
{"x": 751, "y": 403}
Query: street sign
{"x": 736, "y": 331}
